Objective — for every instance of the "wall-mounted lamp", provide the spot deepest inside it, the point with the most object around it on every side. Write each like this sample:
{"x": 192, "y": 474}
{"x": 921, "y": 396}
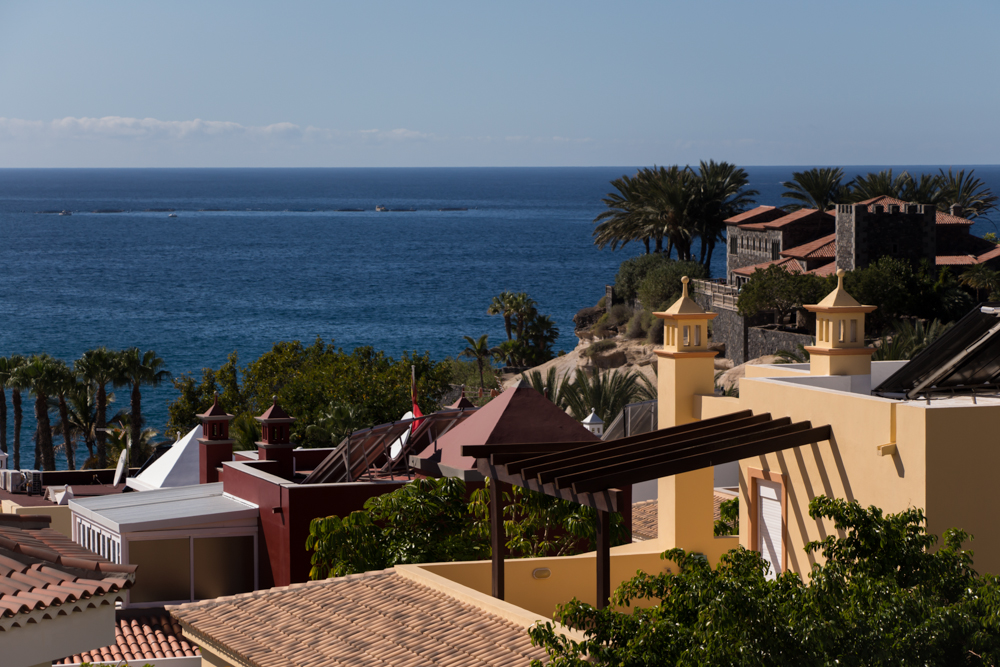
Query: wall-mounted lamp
{"x": 541, "y": 573}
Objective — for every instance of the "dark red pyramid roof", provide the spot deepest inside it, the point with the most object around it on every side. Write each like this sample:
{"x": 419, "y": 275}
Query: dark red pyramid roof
{"x": 519, "y": 414}
{"x": 275, "y": 412}
{"x": 462, "y": 402}
{"x": 215, "y": 411}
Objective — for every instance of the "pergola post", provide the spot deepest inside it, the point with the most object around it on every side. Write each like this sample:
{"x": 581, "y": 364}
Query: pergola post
{"x": 603, "y": 558}
{"x": 497, "y": 541}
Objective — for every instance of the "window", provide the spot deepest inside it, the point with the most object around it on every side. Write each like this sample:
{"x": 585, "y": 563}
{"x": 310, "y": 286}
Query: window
{"x": 840, "y": 337}
{"x": 697, "y": 336}
{"x": 854, "y": 331}
{"x": 687, "y": 336}
{"x": 732, "y": 245}
{"x": 775, "y": 250}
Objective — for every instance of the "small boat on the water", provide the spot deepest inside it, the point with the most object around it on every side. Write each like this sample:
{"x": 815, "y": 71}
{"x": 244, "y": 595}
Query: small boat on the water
{"x": 65, "y": 213}
{"x": 380, "y": 208}
{"x": 172, "y": 215}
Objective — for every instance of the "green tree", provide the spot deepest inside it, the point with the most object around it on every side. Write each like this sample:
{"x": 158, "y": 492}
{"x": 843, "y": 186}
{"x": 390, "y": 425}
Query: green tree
{"x": 662, "y": 285}
{"x": 479, "y": 350}
{"x": 625, "y": 219}
{"x": 308, "y": 380}
{"x": 100, "y": 368}
{"x": 981, "y": 278}
{"x": 503, "y": 304}
{"x": 81, "y": 402}
{"x": 431, "y": 520}
{"x": 774, "y": 289}
{"x": 631, "y": 273}
{"x": 720, "y": 192}
{"x": 819, "y": 188}
{"x": 39, "y": 376}
{"x": 969, "y": 192}
{"x": 4, "y": 376}
{"x": 881, "y": 184}
{"x": 137, "y": 369}
{"x": 728, "y": 522}
{"x": 605, "y": 393}
{"x": 64, "y": 382}
{"x": 12, "y": 363}
{"x": 882, "y": 596}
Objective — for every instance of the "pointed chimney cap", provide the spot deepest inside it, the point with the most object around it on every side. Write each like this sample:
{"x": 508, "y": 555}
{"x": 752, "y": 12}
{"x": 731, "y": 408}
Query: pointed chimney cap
{"x": 274, "y": 414}
{"x": 592, "y": 418}
{"x": 685, "y": 307}
{"x": 216, "y": 411}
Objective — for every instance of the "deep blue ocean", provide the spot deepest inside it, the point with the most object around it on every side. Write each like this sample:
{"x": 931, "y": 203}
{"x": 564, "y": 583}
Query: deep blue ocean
{"x": 257, "y": 256}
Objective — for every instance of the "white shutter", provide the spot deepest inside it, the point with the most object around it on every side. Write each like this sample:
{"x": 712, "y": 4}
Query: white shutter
{"x": 769, "y": 525}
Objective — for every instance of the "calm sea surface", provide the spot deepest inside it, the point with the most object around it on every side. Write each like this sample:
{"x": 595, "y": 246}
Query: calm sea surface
{"x": 258, "y": 256}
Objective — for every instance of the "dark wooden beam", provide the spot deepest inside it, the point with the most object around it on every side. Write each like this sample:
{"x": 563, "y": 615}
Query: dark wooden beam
{"x": 609, "y": 500}
{"x": 603, "y": 559}
{"x": 549, "y": 472}
{"x": 632, "y": 464}
{"x": 498, "y": 540}
{"x": 687, "y": 464}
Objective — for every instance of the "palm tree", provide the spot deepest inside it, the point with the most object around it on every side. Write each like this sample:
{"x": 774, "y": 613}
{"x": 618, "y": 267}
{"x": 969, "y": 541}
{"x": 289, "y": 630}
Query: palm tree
{"x": 669, "y": 194}
{"x": 818, "y": 188}
{"x": 99, "y": 367}
{"x": 4, "y": 376}
{"x": 882, "y": 184}
{"x": 64, "y": 382}
{"x": 480, "y": 351}
{"x": 82, "y": 402}
{"x": 14, "y": 362}
{"x": 980, "y": 277}
{"x": 607, "y": 394}
{"x": 523, "y": 309}
{"x": 38, "y": 375}
{"x": 501, "y": 305}
{"x": 549, "y": 386}
{"x": 925, "y": 190}
{"x": 541, "y": 334}
{"x": 969, "y": 192}
{"x": 138, "y": 368}
{"x": 721, "y": 194}
{"x": 625, "y": 219}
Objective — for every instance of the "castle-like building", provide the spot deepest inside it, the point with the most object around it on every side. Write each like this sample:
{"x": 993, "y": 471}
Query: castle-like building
{"x": 851, "y": 237}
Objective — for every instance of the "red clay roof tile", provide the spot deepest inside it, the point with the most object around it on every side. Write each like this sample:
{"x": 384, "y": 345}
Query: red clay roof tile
{"x": 821, "y": 247}
{"x": 759, "y": 214}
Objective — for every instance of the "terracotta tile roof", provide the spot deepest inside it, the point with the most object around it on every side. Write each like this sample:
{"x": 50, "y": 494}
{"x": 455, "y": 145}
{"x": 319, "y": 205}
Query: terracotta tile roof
{"x": 140, "y": 637}
{"x": 955, "y": 260}
{"x": 275, "y": 412}
{"x": 376, "y": 618}
{"x": 40, "y": 568}
{"x": 759, "y": 214}
{"x": 215, "y": 411}
{"x": 941, "y": 218}
{"x": 825, "y": 246}
{"x": 792, "y": 218}
{"x": 644, "y": 515}
{"x": 825, "y": 270}
{"x": 788, "y": 264}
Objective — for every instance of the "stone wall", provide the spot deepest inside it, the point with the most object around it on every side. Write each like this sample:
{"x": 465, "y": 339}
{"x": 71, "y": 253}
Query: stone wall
{"x": 762, "y": 342}
{"x": 907, "y": 232}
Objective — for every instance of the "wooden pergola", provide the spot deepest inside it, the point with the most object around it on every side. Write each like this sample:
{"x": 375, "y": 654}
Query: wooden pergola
{"x": 594, "y": 474}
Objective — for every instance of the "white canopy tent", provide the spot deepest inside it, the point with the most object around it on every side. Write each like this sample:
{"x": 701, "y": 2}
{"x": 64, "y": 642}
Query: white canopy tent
{"x": 177, "y": 467}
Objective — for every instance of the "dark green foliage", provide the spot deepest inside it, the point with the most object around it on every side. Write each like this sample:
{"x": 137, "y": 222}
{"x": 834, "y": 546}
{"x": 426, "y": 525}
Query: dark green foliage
{"x": 776, "y": 290}
{"x": 430, "y": 521}
{"x": 538, "y": 525}
{"x": 728, "y": 522}
{"x": 619, "y": 314}
{"x": 426, "y": 521}
{"x": 530, "y": 335}
{"x": 662, "y": 284}
{"x": 319, "y": 385}
{"x": 818, "y": 188}
{"x": 634, "y": 329}
{"x": 882, "y": 597}
{"x": 632, "y": 271}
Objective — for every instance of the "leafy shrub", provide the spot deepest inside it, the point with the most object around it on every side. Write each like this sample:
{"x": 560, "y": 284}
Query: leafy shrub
{"x": 635, "y": 330}
{"x": 601, "y": 330}
{"x": 602, "y": 301}
{"x": 632, "y": 271}
{"x": 619, "y": 314}
{"x": 654, "y": 332}
{"x": 662, "y": 285}
{"x": 599, "y": 346}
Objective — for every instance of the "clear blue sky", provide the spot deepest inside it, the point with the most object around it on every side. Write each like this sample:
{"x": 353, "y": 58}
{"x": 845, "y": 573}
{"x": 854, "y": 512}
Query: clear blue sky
{"x": 767, "y": 82}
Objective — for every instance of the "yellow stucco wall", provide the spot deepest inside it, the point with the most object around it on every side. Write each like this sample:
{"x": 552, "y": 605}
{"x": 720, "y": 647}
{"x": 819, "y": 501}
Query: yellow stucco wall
{"x": 963, "y": 457}
{"x": 570, "y": 576}
{"x": 61, "y": 515}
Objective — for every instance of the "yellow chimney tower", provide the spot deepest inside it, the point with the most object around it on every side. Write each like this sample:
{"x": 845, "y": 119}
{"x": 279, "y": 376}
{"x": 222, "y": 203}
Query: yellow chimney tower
{"x": 685, "y": 369}
{"x": 685, "y": 366}
{"x": 840, "y": 335}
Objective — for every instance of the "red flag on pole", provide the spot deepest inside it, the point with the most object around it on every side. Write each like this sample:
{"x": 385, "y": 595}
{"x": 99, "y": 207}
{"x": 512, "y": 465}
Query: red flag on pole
{"x": 413, "y": 399}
